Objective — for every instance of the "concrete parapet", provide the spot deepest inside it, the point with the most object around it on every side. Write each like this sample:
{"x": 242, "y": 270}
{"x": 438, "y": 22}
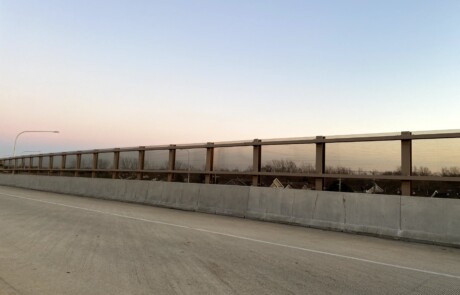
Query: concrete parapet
{"x": 271, "y": 204}
{"x": 189, "y": 197}
{"x": 375, "y": 214}
{"x": 234, "y": 200}
{"x": 329, "y": 210}
{"x": 304, "y": 206}
{"x": 154, "y": 193}
{"x": 171, "y": 194}
{"x": 430, "y": 220}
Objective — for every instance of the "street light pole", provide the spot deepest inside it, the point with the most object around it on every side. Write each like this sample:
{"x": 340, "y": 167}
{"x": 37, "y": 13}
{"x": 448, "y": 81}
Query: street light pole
{"x": 33, "y": 131}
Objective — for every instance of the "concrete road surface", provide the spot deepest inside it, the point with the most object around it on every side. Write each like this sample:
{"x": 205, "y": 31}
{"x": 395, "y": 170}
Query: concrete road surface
{"x": 61, "y": 244}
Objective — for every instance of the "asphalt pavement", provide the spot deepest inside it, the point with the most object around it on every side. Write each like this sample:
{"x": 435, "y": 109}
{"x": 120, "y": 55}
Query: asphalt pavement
{"x": 61, "y": 244}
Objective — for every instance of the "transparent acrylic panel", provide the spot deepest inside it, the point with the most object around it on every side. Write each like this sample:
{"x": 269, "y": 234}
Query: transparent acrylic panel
{"x": 195, "y": 158}
{"x": 288, "y": 182}
{"x": 57, "y": 160}
{"x": 436, "y": 189}
{"x": 156, "y": 160}
{"x": 34, "y": 163}
{"x": 367, "y": 186}
{"x": 71, "y": 161}
{"x": 86, "y": 161}
{"x": 236, "y": 159}
{"x": 243, "y": 180}
{"x": 293, "y": 158}
{"x": 439, "y": 157}
{"x": 129, "y": 160}
{"x": 27, "y": 163}
{"x": 45, "y": 162}
{"x": 105, "y": 161}
{"x": 364, "y": 158}
{"x": 155, "y": 176}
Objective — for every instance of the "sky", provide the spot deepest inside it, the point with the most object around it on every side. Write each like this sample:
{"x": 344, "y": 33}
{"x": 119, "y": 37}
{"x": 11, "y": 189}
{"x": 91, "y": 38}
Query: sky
{"x": 134, "y": 73}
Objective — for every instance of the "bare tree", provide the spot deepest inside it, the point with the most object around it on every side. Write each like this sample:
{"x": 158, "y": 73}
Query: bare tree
{"x": 422, "y": 171}
{"x": 450, "y": 171}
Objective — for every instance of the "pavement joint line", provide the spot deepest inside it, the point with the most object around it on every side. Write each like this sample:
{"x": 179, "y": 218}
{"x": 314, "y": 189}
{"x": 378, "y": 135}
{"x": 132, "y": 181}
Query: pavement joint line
{"x": 241, "y": 237}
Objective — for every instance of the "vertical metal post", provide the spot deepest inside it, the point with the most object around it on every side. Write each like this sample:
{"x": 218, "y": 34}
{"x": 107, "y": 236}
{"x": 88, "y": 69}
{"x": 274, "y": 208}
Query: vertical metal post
{"x": 116, "y": 163}
{"x": 406, "y": 162}
{"x": 50, "y": 165}
{"x": 34, "y": 164}
{"x": 209, "y": 162}
{"x": 320, "y": 163}
{"x": 31, "y": 161}
{"x": 140, "y": 164}
{"x": 256, "y": 162}
{"x": 95, "y": 158}
{"x": 171, "y": 163}
{"x": 40, "y": 164}
{"x": 14, "y": 165}
{"x": 63, "y": 158}
{"x": 78, "y": 164}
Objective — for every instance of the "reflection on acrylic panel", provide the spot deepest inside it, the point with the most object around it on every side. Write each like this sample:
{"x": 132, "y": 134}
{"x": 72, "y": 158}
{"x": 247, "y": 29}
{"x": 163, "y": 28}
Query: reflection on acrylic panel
{"x": 364, "y": 158}
{"x": 129, "y": 160}
{"x": 436, "y": 157}
{"x": 156, "y": 160}
{"x": 86, "y": 161}
{"x": 193, "y": 158}
{"x": 34, "y": 163}
{"x": 236, "y": 159}
{"x": 105, "y": 161}
{"x": 18, "y": 163}
{"x": 45, "y": 162}
{"x": 368, "y": 186}
{"x": 71, "y": 161}
{"x": 436, "y": 189}
{"x": 293, "y": 158}
{"x": 57, "y": 160}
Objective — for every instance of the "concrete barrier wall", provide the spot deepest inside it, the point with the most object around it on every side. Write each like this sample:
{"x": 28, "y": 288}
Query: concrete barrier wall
{"x": 423, "y": 219}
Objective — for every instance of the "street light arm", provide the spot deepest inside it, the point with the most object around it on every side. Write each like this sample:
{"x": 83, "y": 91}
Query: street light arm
{"x": 27, "y": 131}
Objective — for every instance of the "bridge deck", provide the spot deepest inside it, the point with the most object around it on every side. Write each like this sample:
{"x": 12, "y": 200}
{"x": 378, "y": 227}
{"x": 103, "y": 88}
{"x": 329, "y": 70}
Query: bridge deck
{"x": 60, "y": 244}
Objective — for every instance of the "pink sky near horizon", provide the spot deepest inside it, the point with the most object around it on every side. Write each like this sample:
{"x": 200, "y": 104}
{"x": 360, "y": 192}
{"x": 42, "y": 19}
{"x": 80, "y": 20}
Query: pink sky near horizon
{"x": 122, "y": 74}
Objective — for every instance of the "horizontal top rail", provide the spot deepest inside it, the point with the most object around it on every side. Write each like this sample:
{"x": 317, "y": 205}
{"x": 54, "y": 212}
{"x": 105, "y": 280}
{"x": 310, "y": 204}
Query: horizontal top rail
{"x": 257, "y": 142}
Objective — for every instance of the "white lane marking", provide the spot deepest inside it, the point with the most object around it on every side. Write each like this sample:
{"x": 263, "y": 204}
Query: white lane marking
{"x": 243, "y": 238}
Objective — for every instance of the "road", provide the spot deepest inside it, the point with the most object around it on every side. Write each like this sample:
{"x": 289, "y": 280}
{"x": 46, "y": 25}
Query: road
{"x": 62, "y": 244}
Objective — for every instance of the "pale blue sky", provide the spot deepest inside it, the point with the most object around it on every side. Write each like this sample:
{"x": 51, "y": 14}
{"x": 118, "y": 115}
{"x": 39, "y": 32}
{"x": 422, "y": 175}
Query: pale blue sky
{"x": 128, "y": 73}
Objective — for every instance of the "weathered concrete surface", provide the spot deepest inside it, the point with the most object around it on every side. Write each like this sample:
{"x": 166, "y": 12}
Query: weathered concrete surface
{"x": 271, "y": 204}
{"x": 423, "y": 219}
{"x": 374, "y": 214}
{"x": 431, "y": 219}
{"x": 60, "y": 244}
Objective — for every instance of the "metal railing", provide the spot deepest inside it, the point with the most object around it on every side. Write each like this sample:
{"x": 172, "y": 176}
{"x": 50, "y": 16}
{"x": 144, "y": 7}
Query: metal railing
{"x": 87, "y": 163}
